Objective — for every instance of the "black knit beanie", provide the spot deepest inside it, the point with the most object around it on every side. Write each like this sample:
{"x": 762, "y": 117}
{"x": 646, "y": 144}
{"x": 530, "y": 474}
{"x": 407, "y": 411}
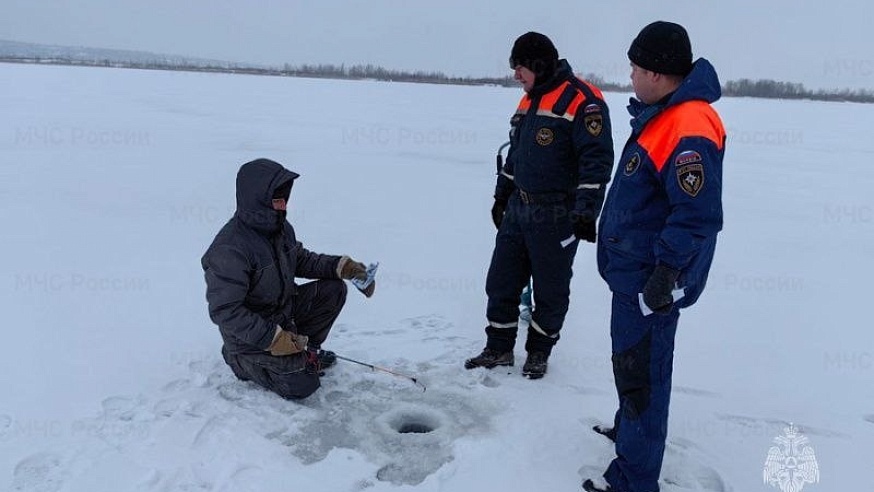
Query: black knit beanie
{"x": 535, "y": 52}
{"x": 662, "y": 47}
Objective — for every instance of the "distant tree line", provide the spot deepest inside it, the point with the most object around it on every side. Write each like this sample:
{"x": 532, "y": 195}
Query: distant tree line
{"x": 769, "y": 89}
{"x": 772, "y": 89}
{"x": 374, "y": 72}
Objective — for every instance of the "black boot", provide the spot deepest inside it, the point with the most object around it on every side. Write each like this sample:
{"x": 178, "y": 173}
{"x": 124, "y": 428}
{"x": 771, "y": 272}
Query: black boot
{"x": 326, "y": 358}
{"x": 590, "y": 486}
{"x": 608, "y": 432}
{"x": 535, "y": 365}
{"x": 490, "y": 358}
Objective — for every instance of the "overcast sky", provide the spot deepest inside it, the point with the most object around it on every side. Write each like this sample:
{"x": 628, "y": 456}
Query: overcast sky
{"x": 823, "y": 44}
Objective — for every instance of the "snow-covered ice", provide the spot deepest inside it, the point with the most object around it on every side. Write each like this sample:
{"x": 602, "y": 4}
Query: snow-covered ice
{"x": 113, "y": 182}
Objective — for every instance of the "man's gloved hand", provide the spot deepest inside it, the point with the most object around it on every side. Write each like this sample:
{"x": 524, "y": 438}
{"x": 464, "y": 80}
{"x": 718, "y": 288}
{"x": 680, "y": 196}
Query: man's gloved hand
{"x": 353, "y": 269}
{"x": 498, "y": 210}
{"x": 287, "y": 343}
{"x": 368, "y": 292}
{"x": 584, "y": 227}
{"x": 658, "y": 291}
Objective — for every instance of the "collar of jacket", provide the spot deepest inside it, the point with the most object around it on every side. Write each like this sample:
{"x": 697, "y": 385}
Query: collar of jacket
{"x": 702, "y": 84}
{"x": 561, "y": 74}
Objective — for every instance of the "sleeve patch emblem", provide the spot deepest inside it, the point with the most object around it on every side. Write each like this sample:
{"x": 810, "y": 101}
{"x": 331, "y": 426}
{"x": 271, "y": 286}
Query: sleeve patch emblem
{"x": 594, "y": 124}
{"x": 691, "y": 178}
{"x": 632, "y": 164}
{"x": 544, "y": 136}
{"x": 592, "y": 108}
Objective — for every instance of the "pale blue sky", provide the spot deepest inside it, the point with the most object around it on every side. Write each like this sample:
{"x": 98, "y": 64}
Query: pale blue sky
{"x": 822, "y": 44}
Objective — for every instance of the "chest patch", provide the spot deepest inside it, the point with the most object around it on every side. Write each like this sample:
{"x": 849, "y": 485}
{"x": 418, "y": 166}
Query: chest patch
{"x": 632, "y": 164}
{"x": 544, "y": 136}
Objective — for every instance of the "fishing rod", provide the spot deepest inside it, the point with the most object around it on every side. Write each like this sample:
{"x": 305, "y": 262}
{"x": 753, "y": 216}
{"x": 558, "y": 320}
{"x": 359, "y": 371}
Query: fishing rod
{"x": 383, "y": 369}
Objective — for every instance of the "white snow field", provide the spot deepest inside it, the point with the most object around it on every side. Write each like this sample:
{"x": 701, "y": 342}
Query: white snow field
{"x": 113, "y": 182}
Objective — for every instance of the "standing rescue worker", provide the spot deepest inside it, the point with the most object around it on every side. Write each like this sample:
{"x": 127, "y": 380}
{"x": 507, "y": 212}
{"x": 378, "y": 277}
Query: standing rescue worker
{"x": 548, "y": 197}
{"x": 658, "y": 235}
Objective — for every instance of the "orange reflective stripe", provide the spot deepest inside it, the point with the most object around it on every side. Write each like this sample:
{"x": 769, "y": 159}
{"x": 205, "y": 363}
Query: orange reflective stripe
{"x": 548, "y": 101}
{"x": 690, "y": 119}
{"x": 575, "y": 104}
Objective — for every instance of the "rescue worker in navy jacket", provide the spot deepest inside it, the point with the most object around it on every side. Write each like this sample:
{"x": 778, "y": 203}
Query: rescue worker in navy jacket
{"x": 272, "y": 328}
{"x": 548, "y": 197}
{"x": 657, "y": 238}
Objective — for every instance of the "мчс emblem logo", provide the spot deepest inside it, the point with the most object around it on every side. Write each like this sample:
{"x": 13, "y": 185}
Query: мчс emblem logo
{"x": 691, "y": 178}
{"x": 545, "y": 136}
{"x": 791, "y": 463}
{"x": 690, "y": 172}
{"x": 632, "y": 164}
{"x": 594, "y": 123}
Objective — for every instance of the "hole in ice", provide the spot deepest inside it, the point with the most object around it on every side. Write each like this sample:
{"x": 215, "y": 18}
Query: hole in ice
{"x": 415, "y": 428}
{"x": 414, "y": 423}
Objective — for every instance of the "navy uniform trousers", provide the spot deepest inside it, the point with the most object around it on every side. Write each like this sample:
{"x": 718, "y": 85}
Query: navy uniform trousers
{"x": 535, "y": 241}
{"x": 643, "y": 358}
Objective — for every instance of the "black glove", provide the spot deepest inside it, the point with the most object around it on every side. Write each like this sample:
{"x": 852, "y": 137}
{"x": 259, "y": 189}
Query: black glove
{"x": 584, "y": 227}
{"x": 657, "y": 293}
{"x": 498, "y": 210}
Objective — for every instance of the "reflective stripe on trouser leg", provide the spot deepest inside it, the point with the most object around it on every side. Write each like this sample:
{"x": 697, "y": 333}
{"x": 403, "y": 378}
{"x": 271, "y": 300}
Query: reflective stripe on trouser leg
{"x": 509, "y": 273}
{"x": 642, "y": 366}
{"x": 547, "y": 231}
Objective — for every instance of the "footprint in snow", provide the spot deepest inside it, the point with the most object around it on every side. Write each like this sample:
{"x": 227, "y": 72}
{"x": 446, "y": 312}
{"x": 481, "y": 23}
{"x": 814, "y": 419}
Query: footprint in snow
{"x": 40, "y": 472}
{"x": 776, "y": 427}
{"x": 700, "y": 393}
{"x": 685, "y": 475}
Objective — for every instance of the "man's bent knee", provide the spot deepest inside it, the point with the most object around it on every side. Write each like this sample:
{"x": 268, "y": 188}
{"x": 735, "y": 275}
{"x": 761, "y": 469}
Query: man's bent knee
{"x": 296, "y": 386}
{"x": 335, "y": 290}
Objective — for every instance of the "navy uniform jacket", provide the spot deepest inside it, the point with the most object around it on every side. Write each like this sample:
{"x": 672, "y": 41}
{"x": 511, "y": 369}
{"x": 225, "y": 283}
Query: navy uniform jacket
{"x": 665, "y": 203}
{"x": 560, "y": 143}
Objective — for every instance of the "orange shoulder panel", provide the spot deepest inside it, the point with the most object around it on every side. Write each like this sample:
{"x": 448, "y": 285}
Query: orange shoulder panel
{"x": 689, "y": 119}
{"x": 549, "y": 99}
{"x": 596, "y": 91}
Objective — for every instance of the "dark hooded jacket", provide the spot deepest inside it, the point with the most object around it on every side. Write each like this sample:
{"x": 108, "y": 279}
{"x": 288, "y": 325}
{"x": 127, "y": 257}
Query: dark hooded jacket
{"x": 251, "y": 264}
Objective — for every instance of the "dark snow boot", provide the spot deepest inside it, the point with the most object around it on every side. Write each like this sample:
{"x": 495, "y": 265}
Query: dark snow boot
{"x": 490, "y": 358}
{"x": 590, "y": 486}
{"x": 535, "y": 365}
{"x": 608, "y": 432}
{"x": 326, "y": 358}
